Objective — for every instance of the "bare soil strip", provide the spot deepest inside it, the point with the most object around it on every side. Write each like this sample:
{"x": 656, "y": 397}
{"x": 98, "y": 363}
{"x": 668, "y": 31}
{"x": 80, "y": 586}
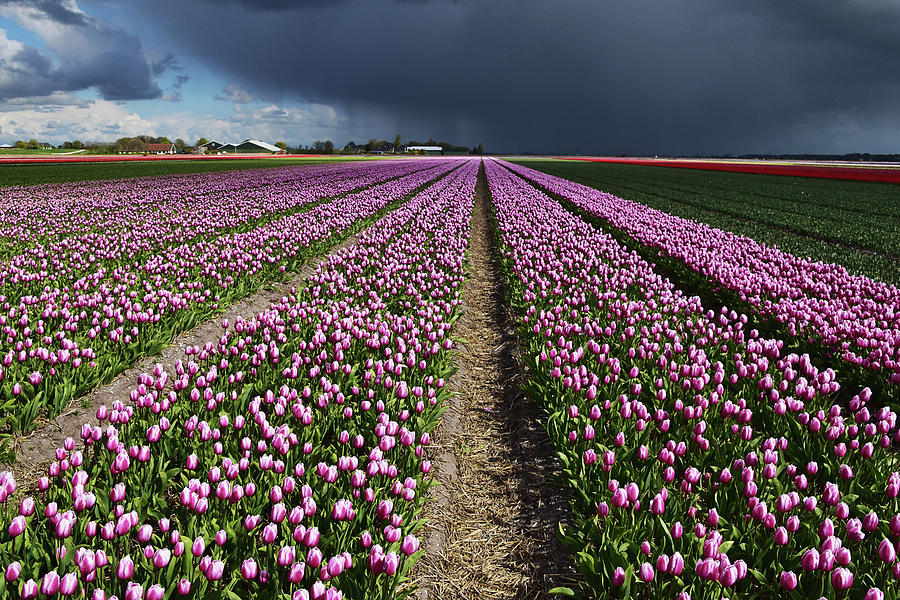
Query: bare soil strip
{"x": 492, "y": 526}
{"x": 35, "y": 450}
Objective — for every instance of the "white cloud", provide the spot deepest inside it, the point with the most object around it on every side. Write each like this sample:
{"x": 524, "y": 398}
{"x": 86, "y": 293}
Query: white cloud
{"x": 100, "y": 120}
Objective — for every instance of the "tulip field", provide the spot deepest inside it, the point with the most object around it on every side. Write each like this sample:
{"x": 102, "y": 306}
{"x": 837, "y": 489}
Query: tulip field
{"x": 96, "y": 275}
{"x": 855, "y": 317}
{"x": 290, "y": 458}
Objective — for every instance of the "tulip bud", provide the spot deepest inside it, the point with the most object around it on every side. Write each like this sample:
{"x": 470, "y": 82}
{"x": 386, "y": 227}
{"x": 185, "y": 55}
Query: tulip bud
{"x": 788, "y": 580}
{"x": 886, "y": 551}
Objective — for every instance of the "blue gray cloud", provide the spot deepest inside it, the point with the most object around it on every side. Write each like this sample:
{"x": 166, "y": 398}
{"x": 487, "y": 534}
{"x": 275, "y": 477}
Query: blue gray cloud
{"x": 79, "y": 52}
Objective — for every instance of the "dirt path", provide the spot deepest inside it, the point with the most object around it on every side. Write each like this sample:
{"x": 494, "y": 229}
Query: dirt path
{"x": 491, "y": 530}
{"x": 35, "y": 450}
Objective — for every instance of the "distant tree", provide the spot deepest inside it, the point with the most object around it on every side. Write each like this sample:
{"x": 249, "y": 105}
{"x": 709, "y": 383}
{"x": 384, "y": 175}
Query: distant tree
{"x": 77, "y": 145}
{"x": 323, "y": 147}
{"x": 135, "y": 144}
{"x": 162, "y": 140}
{"x": 180, "y": 145}
{"x": 281, "y": 145}
{"x": 33, "y": 144}
{"x": 480, "y": 148}
{"x": 20, "y": 144}
{"x": 202, "y": 141}
{"x": 432, "y": 142}
{"x": 397, "y": 143}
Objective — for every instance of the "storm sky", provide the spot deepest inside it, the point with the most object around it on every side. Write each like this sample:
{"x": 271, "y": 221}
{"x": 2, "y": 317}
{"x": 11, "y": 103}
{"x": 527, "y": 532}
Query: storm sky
{"x": 588, "y": 77}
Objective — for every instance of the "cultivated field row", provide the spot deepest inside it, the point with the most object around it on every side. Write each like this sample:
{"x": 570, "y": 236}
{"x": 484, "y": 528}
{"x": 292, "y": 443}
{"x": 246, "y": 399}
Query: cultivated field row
{"x": 854, "y": 224}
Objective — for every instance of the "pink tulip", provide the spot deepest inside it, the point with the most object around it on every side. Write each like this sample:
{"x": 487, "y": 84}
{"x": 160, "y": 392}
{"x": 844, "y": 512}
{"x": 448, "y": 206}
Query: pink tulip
{"x": 886, "y": 551}
{"x": 788, "y": 580}
{"x": 125, "y": 568}
{"x": 50, "y": 584}
{"x": 13, "y": 571}
{"x": 249, "y": 569}
{"x": 68, "y": 584}
{"x": 841, "y": 578}
{"x": 156, "y": 592}
{"x": 215, "y": 570}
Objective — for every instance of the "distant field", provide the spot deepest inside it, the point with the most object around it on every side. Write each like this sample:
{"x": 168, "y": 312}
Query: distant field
{"x": 34, "y": 174}
{"x": 855, "y": 224}
{"x": 35, "y": 152}
{"x": 884, "y": 172}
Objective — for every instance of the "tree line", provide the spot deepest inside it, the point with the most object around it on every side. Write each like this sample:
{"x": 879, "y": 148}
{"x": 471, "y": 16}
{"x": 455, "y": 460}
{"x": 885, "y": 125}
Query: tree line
{"x": 138, "y": 144}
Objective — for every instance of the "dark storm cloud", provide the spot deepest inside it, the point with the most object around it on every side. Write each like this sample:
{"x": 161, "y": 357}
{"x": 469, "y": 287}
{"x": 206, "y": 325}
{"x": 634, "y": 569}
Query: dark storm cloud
{"x": 80, "y": 52}
{"x": 702, "y": 76}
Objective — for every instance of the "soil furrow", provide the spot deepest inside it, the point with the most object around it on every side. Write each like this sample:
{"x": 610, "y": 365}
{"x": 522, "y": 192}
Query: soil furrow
{"x": 491, "y": 530}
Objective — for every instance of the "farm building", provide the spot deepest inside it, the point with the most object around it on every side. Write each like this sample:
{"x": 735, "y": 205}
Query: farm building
{"x": 168, "y": 148}
{"x": 251, "y": 147}
{"x": 209, "y": 147}
{"x": 437, "y": 150}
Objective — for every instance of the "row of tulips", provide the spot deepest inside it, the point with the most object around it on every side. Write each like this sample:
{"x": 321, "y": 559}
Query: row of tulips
{"x": 856, "y": 319}
{"x": 285, "y": 461}
{"x": 73, "y": 325}
{"x": 705, "y": 462}
{"x": 119, "y": 220}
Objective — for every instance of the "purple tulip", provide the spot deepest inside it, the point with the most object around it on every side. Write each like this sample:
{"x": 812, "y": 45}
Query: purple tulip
{"x": 161, "y": 558}
{"x": 68, "y": 584}
{"x": 249, "y": 569}
{"x": 26, "y": 507}
{"x": 17, "y": 526}
{"x": 410, "y": 545}
{"x": 215, "y": 570}
{"x": 841, "y": 578}
{"x": 134, "y": 591}
{"x": 156, "y": 592}
{"x": 788, "y": 580}
{"x": 810, "y": 560}
{"x": 286, "y": 555}
{"x": 886, "y": 551}
{"x": 13, "y": 571}
{"x": 676, "y": 564}
{"x": 50, "y": 584}
{"x": 29, "y": 590}
{"x": 270, "y": 533}
{"x": 125, "y": 568}
{"x": 199, "y": 546}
